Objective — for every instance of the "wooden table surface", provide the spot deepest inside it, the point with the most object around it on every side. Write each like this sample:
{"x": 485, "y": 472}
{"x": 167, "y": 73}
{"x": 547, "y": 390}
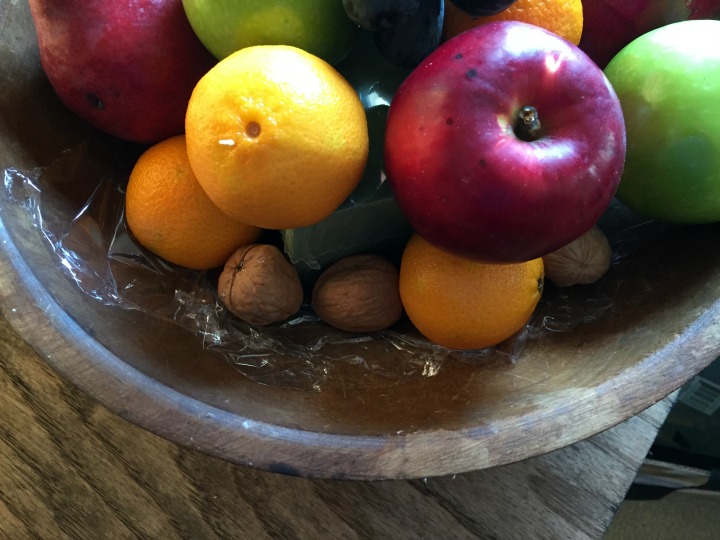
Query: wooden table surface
{"x": 69, "y": 468}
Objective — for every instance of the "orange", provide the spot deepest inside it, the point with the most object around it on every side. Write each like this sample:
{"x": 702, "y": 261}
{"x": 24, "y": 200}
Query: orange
{"x": 465, "y": 304}
{"x": 169, "y": 214}
{"x": 563, "y": 17}
{"x": 276, "y": 136}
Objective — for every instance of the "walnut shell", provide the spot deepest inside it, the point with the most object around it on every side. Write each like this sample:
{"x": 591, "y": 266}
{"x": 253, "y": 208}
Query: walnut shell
{"x": 359, "y": 293}
{"x": 582, "y": 261}
{"x": 259, "y": 285}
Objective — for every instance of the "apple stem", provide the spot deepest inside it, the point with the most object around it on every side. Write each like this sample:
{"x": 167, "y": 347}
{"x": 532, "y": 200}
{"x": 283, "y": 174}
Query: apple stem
{"x": 527, "y": 124}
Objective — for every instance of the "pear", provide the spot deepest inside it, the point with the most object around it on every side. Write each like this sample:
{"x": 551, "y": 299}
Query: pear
{"x": 127, "y": 67}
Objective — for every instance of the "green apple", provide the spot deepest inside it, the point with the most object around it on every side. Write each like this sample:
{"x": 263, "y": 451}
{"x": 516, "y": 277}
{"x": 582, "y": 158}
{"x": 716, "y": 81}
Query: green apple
{"x": 668, "y": 83}
{"x": 320, "y": 27}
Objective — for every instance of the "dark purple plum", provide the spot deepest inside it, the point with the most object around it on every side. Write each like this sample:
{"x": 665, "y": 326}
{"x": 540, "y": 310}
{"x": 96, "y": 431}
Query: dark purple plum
{"x": 414, "y": 37}
{"x": 482, "y": 8}
{"x": 375, "y": 15}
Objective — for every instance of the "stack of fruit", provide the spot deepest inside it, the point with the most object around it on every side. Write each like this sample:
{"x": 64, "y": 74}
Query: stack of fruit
{"x": 502, "y": 142}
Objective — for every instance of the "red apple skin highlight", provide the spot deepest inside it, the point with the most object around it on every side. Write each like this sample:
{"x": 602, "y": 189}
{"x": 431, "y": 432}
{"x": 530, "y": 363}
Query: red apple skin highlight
{"x": 127, "y": 67}
{"x": 463, "y": 178}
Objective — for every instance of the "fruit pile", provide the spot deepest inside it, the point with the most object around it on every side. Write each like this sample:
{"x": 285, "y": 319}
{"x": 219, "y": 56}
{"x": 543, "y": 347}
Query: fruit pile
{"x": 370, "y": 159}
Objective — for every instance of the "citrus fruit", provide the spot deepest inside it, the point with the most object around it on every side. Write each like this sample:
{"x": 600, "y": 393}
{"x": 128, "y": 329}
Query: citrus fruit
{"x": 562, "y": 17}
{"x": 169, "y": 214}
{"x": 276, "y": 136}
{"x": 321, "y": 27}
{"x": 462, "y": 303}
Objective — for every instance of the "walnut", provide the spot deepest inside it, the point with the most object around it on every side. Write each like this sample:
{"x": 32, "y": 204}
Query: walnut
{"x": 582, "y": 261}
{"x": 359, "y": 293}
{"x": 259, "y": 285}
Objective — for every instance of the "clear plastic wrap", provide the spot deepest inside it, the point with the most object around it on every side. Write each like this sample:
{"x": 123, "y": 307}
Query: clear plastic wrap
{"x": 96, "y": 251}
{"x": 94, "y": 248}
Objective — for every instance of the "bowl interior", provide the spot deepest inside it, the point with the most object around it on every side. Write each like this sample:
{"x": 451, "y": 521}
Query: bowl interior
{"x": 660, "y": 327}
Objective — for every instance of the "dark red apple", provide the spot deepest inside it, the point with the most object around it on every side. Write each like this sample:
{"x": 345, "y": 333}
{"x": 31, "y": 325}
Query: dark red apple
{"x": 505, "y": 144}
{"x": 609, "y": 25}
{"x": 127, "y": 67}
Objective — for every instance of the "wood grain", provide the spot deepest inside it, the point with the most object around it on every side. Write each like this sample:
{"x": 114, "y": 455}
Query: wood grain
{"x": 69, "y": 468}
{"x": 568, "y": 386}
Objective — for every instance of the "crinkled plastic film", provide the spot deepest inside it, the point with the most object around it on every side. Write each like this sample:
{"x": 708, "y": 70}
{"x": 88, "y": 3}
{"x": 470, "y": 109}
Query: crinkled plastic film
{"x": 96, "y": 251}
{"x": 92, "y": 245}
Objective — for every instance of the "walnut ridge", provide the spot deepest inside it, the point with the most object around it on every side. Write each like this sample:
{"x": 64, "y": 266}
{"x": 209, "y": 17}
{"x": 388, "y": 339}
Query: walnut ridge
{"x": 259, "y": 285}
{"x": 358, "y": 294}
{"x": 581, "y": 262}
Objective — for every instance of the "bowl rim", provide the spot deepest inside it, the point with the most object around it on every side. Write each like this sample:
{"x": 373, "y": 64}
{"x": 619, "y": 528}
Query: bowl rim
{"x": 78, "y": 358}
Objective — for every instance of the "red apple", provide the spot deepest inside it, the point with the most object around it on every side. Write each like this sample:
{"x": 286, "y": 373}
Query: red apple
{"x": 609, "y": 25}
{"x": 468, "y": 171}
{"x": 127, "y": 67}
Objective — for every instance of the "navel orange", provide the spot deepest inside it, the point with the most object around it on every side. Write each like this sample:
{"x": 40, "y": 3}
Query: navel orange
{"x": 462, "y": 303}
{"x": 169, "y": 214}
{"x": 276, "y": 136}
{"x": 563, "y": 17}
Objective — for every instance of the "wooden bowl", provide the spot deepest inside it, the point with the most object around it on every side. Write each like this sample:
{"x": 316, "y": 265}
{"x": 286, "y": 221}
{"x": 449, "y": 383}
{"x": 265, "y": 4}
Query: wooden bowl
{"x": 662, "y": 327}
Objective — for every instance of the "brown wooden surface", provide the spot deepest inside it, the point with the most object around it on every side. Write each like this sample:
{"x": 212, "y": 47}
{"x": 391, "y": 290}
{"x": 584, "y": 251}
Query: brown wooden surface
{"x": 660, "y": 303}
{"x": 69, "y": 468}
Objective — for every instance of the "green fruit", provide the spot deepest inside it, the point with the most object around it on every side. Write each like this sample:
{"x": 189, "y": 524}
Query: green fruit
{"x": 320, "y": 27}
{"x": 668, "y": 83}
